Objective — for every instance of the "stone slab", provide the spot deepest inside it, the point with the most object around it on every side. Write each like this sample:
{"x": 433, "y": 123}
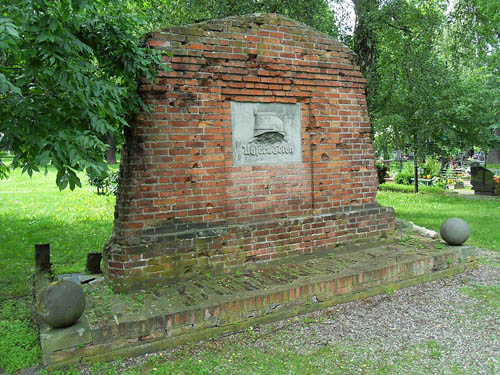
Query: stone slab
{"x": 266, "y": 133}
{"x": 78, "y": 278}
{"x": 55, "y": 339}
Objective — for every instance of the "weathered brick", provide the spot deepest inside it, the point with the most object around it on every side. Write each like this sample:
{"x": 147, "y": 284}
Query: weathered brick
{"x": 177, "y": 165}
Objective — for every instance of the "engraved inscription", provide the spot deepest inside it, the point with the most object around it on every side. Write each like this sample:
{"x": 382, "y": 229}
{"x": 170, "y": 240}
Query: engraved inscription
{"x": 266, "y": 133}
{"x": 267, "y": 149}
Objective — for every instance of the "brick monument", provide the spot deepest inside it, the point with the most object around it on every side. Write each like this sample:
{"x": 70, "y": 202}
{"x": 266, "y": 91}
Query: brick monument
{"x": 256, "y": 148}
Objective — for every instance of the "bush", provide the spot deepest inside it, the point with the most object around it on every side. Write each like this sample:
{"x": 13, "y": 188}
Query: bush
{"x": 409, "y": 189}
{"x": 441, "y": 183}
{"x": 381, "y": 172}
{"x": 107, "y": 184}
{"x": 405, "y": 175}
{"x": 431, "y": 167}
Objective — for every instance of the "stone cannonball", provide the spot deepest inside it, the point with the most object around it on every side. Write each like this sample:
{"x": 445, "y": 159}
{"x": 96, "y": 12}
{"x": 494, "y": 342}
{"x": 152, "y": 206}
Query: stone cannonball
{"x": 61, "y": 303}
{"x": 455, "y": 231}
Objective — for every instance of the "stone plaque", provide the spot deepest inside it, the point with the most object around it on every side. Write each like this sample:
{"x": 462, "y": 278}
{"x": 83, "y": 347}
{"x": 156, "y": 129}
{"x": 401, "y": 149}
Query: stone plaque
{"x": 266, "y": 133}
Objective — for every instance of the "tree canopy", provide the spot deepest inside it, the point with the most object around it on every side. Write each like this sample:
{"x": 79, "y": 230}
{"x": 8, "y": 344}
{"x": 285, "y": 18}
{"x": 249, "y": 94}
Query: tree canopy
{"x": 422, "y": 97}
{"x": 161, "y": 13}
{"x": 69, "y": 69}
{"x": 67, "y": 78}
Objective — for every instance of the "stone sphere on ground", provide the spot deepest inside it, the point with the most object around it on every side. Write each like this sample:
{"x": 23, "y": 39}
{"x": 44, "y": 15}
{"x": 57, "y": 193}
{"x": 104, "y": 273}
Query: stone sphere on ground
{"x": 61, "y": 303}
{"x": 455, "y": 231}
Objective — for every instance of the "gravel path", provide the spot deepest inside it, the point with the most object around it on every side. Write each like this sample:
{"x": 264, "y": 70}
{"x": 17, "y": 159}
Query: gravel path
{"x": 439, "y": 319}
{"x": 441, "y": 327}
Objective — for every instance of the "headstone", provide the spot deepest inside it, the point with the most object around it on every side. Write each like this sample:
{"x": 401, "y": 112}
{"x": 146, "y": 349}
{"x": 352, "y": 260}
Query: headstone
{"x": 482, "y": 180}
{"x": 494, "y": 155}
{"x": 256, "y": 147}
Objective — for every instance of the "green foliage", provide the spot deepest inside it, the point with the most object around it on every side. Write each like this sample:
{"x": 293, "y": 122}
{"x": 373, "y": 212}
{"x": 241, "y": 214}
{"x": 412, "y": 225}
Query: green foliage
{"x": 68, "y": 76}
{"x": 405, "y": 175}
{"x": 417, "y": 93}
{"x": 403, "y": 178}
{"x": 364, "y": 43}
{"x": 432, "y": 167}
{"x": 422, "y": 99}
{"x": 107, "y": 184}
{"x": 474, "y": 34}
{"x": 163, "y": 13}
{"x": 441, "y": 183}
{"x": 405, "y": 188}
{"x": 473, "y": 46}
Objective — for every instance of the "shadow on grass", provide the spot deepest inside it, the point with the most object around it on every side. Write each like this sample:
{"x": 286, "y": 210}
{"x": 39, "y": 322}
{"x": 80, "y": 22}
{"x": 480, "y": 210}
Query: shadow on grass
{"x": 70, "y": 242}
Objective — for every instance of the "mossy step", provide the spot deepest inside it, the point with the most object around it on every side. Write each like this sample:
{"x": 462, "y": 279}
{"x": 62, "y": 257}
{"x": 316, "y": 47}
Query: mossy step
{"x": 201, "y": 292}
{"x": 143, "y": 321}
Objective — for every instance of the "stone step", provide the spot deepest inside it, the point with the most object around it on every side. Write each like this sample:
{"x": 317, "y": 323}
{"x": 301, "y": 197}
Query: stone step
{"x": 133, "y": 323}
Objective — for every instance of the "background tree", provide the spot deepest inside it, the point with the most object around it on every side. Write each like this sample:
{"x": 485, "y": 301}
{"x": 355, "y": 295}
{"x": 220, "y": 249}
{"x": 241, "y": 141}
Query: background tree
{"x": 68, "y": 71}
{"x": 421, "y": 99}
{"x": 364, "y": 44}
{"x": 473, "y": 47}
{"x": 163, "y": 13}
{"x": 422, "y": 104}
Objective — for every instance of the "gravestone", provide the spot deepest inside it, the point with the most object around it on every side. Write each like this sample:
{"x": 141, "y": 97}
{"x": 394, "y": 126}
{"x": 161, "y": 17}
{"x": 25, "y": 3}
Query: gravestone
{"x": 494, "y": 155}
{"x": 256, "y": 148}
{"x": 482, "y": 180}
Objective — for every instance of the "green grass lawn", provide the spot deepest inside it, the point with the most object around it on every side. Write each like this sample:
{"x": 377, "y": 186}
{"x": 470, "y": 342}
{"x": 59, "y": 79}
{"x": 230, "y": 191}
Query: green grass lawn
{"x": 238, "y": 357}
{"x": 77, "y": 222}
{"x": 431, "y": 207}
{"x": 35, "y": 211}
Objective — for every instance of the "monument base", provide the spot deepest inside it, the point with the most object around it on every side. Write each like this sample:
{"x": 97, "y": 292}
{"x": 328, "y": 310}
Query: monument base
{"x": 179, "y": 250}
{"x": 133, "y": 323}
{"x": 484, "y": 192}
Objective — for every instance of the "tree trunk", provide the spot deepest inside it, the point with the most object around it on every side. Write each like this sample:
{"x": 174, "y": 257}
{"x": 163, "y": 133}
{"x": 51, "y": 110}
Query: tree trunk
{"x": 364, "y": 44}
{"x": 415, "y": 174}
{"x": 364, "y": 34}
{"x": 111, "y": 150}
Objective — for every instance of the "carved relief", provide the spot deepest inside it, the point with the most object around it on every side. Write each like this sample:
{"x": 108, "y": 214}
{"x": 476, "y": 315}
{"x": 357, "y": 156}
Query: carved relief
{"x": 266, "y": 133}
{"x": 267, "y": 122}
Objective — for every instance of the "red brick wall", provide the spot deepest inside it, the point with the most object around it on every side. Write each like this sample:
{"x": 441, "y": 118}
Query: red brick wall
{"x": 183, "y": 208}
